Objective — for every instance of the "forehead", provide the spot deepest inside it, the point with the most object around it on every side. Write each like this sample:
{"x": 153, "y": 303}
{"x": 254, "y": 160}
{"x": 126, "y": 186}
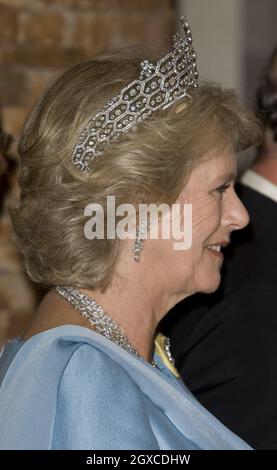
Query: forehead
{"x": 215, "y": 167}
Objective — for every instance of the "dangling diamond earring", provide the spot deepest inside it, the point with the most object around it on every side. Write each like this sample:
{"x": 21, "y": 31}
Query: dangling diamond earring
{"x": 140, "y": 232}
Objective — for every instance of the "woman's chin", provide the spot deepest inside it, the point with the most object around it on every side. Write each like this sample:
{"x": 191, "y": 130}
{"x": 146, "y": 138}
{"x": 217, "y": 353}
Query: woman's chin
{"x": 211, "y": 286}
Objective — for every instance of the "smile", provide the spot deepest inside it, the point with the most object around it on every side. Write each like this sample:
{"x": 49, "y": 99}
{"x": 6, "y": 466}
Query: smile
{"x": 216, "y": 250}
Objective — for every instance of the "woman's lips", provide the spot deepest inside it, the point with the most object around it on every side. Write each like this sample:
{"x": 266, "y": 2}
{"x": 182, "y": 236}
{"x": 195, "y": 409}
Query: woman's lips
{"x": 215, "y": 250}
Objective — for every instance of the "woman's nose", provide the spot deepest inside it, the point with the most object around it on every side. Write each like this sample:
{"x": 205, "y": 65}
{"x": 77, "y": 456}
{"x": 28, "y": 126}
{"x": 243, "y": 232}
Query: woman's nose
{"x": 235, "y": 214}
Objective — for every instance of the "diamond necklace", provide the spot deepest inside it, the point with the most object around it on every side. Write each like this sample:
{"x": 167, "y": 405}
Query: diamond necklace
{"x": 96, "y": 316}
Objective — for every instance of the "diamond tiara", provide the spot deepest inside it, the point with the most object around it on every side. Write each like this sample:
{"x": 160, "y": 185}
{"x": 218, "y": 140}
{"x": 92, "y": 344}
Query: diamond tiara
{"x": 158, "y": 86}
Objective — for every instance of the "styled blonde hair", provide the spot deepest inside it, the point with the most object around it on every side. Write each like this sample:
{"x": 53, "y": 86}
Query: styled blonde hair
{"x": 149, "y": 164}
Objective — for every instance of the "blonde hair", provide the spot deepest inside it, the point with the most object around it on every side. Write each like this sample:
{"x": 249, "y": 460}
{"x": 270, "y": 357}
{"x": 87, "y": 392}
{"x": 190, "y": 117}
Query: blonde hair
{"x": 148, "y": 164}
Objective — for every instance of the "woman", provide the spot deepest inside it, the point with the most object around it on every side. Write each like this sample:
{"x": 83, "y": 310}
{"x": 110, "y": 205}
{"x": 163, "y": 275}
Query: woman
{"x": 88, "y": 378}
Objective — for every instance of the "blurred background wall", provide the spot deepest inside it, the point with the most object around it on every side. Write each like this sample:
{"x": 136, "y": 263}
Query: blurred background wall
{"x": 41, "y": 38}
{"x": 233, "y": 39}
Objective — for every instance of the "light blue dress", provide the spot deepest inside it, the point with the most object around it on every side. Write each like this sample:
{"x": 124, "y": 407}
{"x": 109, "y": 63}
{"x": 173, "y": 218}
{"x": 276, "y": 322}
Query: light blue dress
{"x": 71, "y": 388}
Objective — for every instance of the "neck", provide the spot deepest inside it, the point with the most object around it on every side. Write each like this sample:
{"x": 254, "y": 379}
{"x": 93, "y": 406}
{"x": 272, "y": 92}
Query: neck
{"x": 132, "y": 312}
{"x": 137, "y": 298}
{"x": 136, "y": 301}
{"x": 266, "y": 167}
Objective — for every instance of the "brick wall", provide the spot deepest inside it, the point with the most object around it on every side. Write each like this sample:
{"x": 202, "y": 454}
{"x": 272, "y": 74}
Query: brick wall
{"x": 38, "y": 40}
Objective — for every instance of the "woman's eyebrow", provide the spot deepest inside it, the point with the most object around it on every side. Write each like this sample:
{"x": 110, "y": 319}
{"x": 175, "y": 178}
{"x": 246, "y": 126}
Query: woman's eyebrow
{"x": 227, "y": 177}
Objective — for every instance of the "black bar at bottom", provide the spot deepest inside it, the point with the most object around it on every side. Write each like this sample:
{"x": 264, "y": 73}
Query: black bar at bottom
{"x": 119, "y": 459}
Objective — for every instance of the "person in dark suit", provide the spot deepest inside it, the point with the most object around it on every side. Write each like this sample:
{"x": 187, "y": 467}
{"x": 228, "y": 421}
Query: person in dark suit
{"x": 225, "y": 344}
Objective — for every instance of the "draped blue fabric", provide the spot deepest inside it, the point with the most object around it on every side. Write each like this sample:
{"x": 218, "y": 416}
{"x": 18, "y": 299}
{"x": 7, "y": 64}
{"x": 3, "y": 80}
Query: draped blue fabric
{"x": 71, "y": 388}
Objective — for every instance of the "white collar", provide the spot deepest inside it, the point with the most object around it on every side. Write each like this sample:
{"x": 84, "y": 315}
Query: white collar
{"x": 260, "y": 184}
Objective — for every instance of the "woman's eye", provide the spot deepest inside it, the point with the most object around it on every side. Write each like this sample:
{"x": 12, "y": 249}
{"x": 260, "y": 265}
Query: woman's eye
{"x": 222, "y": 189}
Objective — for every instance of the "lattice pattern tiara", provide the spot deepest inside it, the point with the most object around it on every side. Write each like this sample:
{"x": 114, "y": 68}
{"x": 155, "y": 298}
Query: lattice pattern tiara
{"x": 158, "y": 86}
